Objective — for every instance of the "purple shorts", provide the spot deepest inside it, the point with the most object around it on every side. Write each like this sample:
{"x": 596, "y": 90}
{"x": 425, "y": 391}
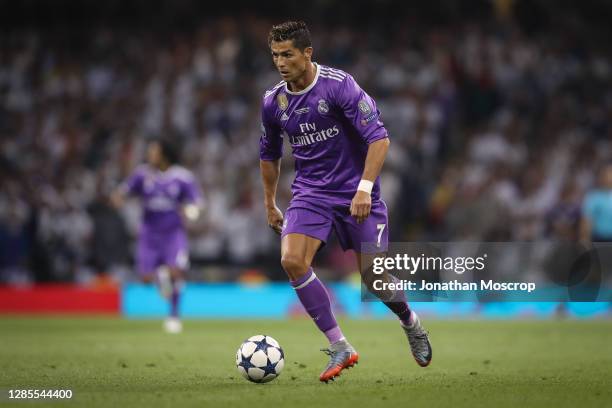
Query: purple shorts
{"x": 154, "y": 250}
{"x": 317, "y": 221}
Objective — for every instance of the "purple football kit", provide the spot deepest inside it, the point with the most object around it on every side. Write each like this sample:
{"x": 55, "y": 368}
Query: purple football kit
{"x": 329, "y": 125}
{"x": 162, "y": 239}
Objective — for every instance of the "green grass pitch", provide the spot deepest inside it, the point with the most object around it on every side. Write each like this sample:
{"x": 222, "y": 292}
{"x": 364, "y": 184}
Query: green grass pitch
{"x": 122, "y": 363}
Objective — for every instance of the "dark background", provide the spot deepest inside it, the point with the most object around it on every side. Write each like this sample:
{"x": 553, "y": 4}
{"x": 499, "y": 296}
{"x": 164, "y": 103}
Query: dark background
{"x": 499, "y": 115}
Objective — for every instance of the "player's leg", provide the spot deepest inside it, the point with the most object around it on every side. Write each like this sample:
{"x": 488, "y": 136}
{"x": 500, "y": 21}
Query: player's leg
{"x": 147, "y": 261}
{"x": 370, "y": 239}
{"x": 297, "y": 252}
{"x": 176, "y": 262}
{"x": 170, "y": 284}
{"x": 395, "y": 300}
{"x": 164, "y": 280}
{"x": 152, "y": 264}
{"x": 302, "y": 236}
{"x": 177, "y": 281}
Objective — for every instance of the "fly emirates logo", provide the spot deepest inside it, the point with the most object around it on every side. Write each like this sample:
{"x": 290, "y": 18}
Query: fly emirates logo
{"x": 311, "y": 135}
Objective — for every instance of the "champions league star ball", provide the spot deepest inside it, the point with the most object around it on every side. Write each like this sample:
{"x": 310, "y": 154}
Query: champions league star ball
{"x": 260, "y": 359}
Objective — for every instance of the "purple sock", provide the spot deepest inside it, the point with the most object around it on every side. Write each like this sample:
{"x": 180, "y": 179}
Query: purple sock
{"x": 315, "y": 299}
{"x": 399, "y": 305}
{"x": 401, "y": 310}
{"x": 174, "y": 301}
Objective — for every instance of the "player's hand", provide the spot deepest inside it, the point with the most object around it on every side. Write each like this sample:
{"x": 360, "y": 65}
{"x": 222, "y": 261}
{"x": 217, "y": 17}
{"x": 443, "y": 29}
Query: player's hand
{"x": 191, "y": 212}
{"x": 275, "y": 219}
{"x": 361, "y": 206}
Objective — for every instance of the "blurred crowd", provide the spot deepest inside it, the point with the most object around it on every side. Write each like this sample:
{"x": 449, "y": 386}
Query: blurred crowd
{"x": 496, "y": 135}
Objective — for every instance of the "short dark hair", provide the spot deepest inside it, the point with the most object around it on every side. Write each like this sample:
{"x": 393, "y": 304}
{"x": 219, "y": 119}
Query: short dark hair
{"x": 169, "y": 149}
{"x": 296, "y": 31}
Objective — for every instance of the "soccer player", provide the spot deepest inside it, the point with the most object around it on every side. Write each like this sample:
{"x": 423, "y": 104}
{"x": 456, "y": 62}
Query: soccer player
{"x": 339, "y": 144}
{"x": 596, "y": 225}
{"x": 168, "y": 192}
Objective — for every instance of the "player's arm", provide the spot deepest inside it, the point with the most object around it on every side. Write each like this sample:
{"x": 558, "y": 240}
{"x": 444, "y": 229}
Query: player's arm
{"x": 192, "y": 211}
{"x": 193, "y": 201}
{"x": 191, "y": 198}
{"x": 362, "y": 202}
{"x": 270, "y": 173}
{"x": 360, "y": 109}
{"x": 270, "y": 152}
{"x": 131, "y": 186}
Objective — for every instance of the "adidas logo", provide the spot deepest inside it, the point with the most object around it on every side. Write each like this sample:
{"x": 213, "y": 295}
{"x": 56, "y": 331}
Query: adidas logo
{"x": 284, "y": 117}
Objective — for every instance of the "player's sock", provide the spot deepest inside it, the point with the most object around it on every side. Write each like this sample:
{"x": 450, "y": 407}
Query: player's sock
{"x": 316, "y": 301}
{"x": 165, "y": 282}
{"x": 174, "y": 299}
{"x": 398, "y": 304}
{"x": 401, "y": 310}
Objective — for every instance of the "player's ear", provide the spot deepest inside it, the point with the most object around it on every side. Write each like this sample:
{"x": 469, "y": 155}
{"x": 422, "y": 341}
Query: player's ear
{"x": 308, "y": 53}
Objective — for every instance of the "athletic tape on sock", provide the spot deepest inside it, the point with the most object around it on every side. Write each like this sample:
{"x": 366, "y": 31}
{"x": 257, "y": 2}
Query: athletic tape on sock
{"x": 312, "y": 277}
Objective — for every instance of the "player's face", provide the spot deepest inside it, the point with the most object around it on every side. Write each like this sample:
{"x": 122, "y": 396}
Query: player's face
{"x": 290, "y": 62}
{"x": 154, "y": 154}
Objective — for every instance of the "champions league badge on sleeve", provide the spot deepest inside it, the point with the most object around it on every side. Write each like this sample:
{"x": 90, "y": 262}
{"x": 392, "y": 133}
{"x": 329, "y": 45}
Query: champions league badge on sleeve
{"x": 364, "y": 107}
{"x": 366, "y": 111}
{"x": 282, "y": 101}
{"x": 323, "y": 107}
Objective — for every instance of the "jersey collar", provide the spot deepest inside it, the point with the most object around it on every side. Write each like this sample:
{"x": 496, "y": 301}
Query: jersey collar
{"x": 309, "y": 87}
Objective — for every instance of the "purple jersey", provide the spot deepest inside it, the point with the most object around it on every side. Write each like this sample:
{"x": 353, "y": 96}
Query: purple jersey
{"x": 329, "y": 126}
{"x": 162, "y": 193}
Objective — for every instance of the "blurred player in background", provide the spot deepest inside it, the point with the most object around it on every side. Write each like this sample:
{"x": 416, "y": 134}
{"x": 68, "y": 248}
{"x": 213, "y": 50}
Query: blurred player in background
{"x": 339, "y": 145}
{"x": 596, "y": 225}
{"x": 168, "y": 193}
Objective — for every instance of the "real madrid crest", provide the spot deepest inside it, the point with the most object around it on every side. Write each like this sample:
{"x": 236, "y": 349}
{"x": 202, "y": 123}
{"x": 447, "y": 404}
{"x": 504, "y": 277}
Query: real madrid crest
{"x": 282, "y": 101}
{"x": 323, "y": 107}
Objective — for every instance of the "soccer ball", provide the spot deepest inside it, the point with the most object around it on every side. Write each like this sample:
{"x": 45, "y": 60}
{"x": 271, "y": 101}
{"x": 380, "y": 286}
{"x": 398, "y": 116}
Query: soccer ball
{"x": 260, "y": 359}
